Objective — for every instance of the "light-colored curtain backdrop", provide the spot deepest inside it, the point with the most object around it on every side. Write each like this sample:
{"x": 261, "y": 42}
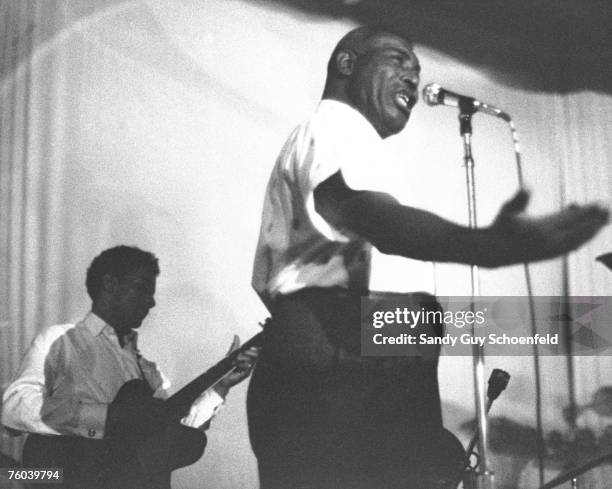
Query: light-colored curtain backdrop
{"x": 155, "y": 123}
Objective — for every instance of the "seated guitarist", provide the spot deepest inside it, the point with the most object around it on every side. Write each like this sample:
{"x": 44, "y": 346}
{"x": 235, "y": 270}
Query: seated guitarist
{"x": 68, "y": 391}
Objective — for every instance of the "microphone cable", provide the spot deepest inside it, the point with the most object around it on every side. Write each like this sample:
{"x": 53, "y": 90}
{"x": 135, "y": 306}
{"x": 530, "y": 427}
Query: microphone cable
{"x": 541, "y": 449}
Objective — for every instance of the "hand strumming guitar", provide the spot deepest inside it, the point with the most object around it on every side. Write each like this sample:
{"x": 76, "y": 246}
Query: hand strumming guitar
{"x": 243, "y": 364}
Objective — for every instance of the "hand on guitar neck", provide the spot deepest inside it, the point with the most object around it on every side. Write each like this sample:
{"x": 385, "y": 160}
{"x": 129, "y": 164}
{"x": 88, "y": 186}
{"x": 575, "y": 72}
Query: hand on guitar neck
{"x": 134, "y": 410}
{"x": 243, "y": 364}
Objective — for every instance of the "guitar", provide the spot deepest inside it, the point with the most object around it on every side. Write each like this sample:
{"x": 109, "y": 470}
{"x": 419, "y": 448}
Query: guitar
{"x": 95, "y": 464}
{"x": 179, "y": 403}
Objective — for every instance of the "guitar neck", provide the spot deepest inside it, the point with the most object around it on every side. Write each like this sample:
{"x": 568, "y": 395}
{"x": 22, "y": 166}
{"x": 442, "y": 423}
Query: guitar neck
{"x": 179, "y": 403}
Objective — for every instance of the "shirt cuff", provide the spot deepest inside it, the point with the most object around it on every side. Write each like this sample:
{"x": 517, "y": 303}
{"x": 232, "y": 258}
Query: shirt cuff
{"x": 92, "y": 419}
{"x": 203, "y": 409}
{"x": 215, "y": 399}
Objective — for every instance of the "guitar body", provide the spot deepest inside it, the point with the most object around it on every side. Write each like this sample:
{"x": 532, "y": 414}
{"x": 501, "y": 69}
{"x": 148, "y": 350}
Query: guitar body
{"x": 113, "y": 462}
{"x": 131, "y": 456}
{"x": 80, "y": 458}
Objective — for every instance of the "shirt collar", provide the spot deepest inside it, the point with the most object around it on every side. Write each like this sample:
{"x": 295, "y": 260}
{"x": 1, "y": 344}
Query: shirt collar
{"x": 96, "y": 325}
{"x": 348, "y": 113}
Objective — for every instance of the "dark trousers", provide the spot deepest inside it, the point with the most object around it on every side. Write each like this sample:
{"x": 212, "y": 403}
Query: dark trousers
{"x": 321, "y": 416}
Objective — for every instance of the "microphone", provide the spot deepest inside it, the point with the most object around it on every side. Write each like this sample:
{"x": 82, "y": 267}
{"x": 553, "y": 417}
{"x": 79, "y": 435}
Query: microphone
{"x": 498, "y": 381}
{"x": 434, "y": 94}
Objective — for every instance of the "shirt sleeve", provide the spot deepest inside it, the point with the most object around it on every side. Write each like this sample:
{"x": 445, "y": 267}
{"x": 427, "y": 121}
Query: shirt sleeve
{"x": 203, "y": 409}
{"x": 29, "y": 404}
{"x": 320, "y": 157}
{"x": 337, "y": 144}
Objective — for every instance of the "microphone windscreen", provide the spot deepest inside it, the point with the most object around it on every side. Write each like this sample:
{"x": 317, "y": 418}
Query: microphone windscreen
{"x": 431, "y": 94}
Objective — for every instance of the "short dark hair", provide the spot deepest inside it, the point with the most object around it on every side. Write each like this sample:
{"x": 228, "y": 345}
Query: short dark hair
{"x": 356, "y": 40}
{"x": 118, "y": 262}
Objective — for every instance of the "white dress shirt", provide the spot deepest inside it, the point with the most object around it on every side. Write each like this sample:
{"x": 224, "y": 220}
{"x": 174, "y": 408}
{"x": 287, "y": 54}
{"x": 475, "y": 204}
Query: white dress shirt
{"x": 72, "y": 372}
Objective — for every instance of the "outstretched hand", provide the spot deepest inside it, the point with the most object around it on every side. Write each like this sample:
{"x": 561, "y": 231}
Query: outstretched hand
{"x": 243, "y": 365}
{"x": 526, "y": 239}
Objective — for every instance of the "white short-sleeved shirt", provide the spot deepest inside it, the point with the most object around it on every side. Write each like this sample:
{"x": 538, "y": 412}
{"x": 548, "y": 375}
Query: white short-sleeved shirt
{"x": 297, "y": 248}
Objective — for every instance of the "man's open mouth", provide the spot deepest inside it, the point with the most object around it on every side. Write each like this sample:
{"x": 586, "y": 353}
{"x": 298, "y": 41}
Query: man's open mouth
{"x": 405, "y": 101}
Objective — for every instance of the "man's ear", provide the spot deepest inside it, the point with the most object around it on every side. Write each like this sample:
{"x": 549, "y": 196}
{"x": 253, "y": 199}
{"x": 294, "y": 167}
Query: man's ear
{"x": 345, "y": 62}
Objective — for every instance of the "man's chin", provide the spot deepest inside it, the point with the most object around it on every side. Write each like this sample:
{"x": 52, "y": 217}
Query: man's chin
{"x": 397, "y": 126}
{"x": 137, "y": 324}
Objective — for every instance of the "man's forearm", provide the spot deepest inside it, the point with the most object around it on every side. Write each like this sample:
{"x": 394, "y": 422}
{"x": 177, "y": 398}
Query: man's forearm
{"x": 27, "y": 409}
{"x": 512, "y": 238}
{"x": 413, "y": 233}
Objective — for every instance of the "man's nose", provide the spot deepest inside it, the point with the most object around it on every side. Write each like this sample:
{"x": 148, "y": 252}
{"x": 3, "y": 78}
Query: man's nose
{"x": 411, "y": 80}
{"x": 151, "y": 303}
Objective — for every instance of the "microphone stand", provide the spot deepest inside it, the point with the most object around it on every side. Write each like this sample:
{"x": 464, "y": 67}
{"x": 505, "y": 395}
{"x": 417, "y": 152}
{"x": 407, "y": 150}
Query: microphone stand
{"x": 484, "y": 477}
{"x": 498, "y": 381}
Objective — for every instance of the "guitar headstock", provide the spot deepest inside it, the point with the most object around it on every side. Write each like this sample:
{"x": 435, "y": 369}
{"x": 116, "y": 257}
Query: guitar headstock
{"x": 256, "y": 340}
{"x": 606, "y": 259}
{"x": 266, "y": 322}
